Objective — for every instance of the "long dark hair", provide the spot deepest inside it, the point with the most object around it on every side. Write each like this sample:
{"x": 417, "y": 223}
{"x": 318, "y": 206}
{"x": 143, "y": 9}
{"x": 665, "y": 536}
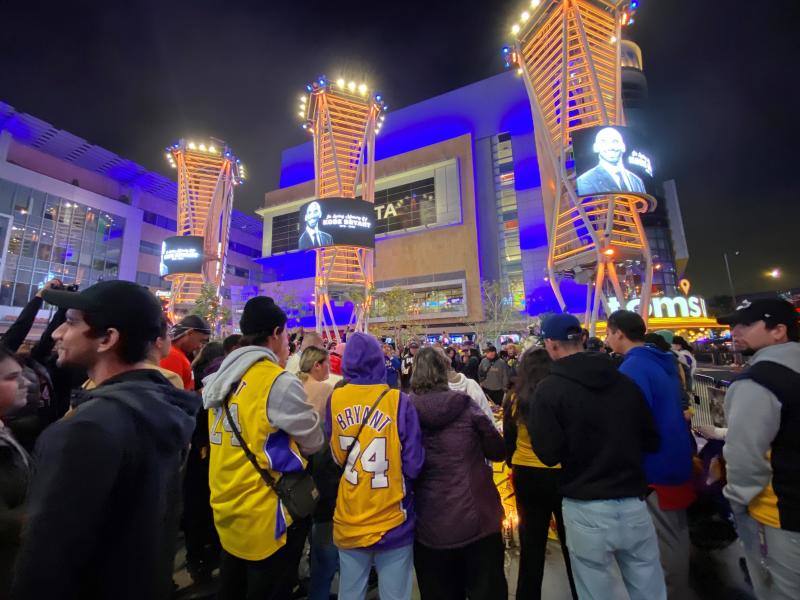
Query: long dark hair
{"x": 430, "y": 371}
{"x": 531, "y": 369}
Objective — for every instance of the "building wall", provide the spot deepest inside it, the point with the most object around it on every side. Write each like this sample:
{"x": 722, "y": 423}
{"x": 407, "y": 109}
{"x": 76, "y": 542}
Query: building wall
{"x": 58, "y": 219}
{"x": 423, "y": 257}
{"x": 503, "y": 218}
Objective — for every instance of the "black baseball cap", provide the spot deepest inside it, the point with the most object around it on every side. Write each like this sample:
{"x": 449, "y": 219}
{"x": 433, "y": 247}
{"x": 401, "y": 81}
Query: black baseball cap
{"x": 123, "y": 305}
{"x": 187, "y": 324}
{"x": 773, "y": 311}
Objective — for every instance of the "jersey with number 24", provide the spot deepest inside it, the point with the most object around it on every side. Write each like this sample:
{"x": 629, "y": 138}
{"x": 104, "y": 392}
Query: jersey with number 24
{"x": 371, "y": 491}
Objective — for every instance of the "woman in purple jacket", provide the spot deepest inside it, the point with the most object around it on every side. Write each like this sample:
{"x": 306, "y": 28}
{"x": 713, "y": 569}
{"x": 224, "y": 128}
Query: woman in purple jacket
{"x": 458, "y": 552}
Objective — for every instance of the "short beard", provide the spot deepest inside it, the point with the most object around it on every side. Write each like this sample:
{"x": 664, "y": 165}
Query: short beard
{"x": 748, "y": 352}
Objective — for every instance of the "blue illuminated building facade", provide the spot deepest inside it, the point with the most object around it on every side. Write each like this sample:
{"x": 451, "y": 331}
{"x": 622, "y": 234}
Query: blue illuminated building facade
{"x": 486, "y": 193}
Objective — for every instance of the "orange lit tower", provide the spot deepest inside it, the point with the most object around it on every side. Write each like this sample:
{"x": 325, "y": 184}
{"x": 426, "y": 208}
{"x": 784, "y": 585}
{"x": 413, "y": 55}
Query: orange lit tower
{"x": 343, "y": 118}
{"x": 568, "y": 53}
{"x": 208, "y": 171}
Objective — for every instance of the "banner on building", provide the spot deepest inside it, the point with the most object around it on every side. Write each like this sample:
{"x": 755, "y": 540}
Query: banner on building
{"x": 181, "y": 254}
{"x": 336, "y": 222}
{"x": 612, "y": 159}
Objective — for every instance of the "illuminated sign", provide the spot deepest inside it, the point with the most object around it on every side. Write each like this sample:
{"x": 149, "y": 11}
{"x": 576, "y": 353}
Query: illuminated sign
{"x": 692, "y": 307}
{"x": 181, "y": 254}
{"x": 336, "y": 222}
{"x": 611, "y": 159}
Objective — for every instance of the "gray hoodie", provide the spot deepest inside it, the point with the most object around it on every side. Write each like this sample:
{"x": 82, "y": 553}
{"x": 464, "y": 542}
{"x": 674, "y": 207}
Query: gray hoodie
{"x": 754, "y": 418}
{"x": 467, "y": 386}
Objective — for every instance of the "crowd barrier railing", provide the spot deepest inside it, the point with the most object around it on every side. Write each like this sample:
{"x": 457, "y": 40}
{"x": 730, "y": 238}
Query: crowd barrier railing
{"x": 709, "y": 401}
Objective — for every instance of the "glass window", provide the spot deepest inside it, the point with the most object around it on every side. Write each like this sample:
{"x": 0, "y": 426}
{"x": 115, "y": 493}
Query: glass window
{"x": 509, "y": 254}
{"x": 53, "y": 236}
{"x": 21, "y": 293}
{"x": 426, "y": 301}
{"x": 6, "y": 197}
{"x": 6, "y": 291}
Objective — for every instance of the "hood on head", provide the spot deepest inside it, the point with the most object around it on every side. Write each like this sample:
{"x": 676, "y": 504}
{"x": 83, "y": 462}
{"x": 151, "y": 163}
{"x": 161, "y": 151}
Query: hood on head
{"x": 593, "y": 370}
{"x": 438, "y": 409}
{"x": 665, "y": 360}
{"x": 363, "y": 362}
{"x": 169, "y": 413}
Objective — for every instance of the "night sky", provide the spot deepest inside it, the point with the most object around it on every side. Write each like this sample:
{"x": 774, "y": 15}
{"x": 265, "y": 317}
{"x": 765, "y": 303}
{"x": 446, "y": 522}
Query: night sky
{"x": 134, "y": 76}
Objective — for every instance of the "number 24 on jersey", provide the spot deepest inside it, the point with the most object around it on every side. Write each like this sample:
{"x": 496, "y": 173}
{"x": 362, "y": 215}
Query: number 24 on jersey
{"x": 373, "y": 461}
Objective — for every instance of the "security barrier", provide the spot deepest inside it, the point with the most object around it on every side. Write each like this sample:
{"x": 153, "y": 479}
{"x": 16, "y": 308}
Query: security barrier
{"x": 709, "y": 401}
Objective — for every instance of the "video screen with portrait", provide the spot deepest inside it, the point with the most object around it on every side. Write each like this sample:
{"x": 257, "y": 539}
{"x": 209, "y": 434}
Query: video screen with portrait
{"x": 181, "y": 254}
{"x": 612, "y": 159}
{"x": 336, "y": 222}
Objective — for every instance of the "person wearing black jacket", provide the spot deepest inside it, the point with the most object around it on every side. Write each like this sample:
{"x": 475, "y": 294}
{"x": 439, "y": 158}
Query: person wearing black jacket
{"x": 595, "y": 422}
{"x": 104, "y": 500}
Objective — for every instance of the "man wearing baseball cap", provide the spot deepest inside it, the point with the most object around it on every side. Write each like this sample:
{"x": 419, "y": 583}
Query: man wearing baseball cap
{"x": 261, "y": 543}
{"x": 595, "y": 421}
{"x": 187, "y": 337}
{"x": 103, "y": 506}
{"x": 762, "y": 446}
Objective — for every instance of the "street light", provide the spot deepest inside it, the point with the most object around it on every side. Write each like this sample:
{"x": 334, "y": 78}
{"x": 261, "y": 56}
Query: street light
{"x": 774, "y": 273}
{"x": 730, "y": 277}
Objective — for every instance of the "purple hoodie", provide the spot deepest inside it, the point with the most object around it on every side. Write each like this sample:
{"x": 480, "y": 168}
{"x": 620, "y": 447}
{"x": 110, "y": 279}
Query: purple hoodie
{"x": 457, "y": 500}
{"x": 363, "y": 364}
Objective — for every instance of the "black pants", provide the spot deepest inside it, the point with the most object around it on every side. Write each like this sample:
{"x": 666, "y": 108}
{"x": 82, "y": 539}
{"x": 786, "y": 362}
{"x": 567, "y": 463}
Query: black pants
{"x": 270, "y": 579}
{"x": 202, "y": 541}
{"x": 537, "y": 498}
{"x": 474, "y": 571}
{"x": 495, "y": 396}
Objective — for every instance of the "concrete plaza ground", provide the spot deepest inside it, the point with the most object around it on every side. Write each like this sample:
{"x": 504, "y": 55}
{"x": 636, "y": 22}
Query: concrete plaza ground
{"x": 714, "y": 576}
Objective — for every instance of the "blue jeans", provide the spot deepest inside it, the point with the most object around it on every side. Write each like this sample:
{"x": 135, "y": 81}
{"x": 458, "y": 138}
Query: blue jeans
{"x": 324, "y": 558}
{"x": 394, "y": 569}
{"x": 775, "y": 569}
{"x": 600, "y": 532}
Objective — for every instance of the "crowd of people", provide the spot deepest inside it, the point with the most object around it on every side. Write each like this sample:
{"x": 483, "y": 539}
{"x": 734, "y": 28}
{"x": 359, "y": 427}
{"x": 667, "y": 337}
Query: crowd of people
{"x": 118, "y": 429}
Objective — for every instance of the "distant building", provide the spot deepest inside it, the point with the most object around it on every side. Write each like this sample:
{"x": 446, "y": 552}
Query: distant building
{"x": 78, "y": 212}
{"x": 458, "y": 202}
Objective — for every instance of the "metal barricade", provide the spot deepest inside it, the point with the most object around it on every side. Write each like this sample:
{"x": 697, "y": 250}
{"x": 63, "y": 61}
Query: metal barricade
{"x": 709, "y": 401}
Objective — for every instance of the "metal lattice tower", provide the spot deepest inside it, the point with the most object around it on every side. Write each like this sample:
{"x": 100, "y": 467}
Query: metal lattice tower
{"x": 568, "y": 53}
{"x": 343, "y": 119}
{"x": 207, "y": 175}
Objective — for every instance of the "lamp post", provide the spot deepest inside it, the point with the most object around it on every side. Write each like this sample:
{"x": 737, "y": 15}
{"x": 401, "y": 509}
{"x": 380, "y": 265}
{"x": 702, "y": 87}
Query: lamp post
{"x": 730, "y": 277}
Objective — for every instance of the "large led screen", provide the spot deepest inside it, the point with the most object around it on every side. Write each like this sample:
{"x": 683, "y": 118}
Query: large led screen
{"x": 612, "y": 159}
{"x": 336, "y": 222}
{"x": 181, "y": 254}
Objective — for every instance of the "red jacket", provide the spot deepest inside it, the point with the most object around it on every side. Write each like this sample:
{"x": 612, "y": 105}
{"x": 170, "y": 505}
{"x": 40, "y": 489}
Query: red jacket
{"x": 336, "y": 363}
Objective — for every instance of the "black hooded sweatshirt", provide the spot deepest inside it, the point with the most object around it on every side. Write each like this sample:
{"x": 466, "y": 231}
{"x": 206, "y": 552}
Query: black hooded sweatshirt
{"x": 105, "y": 498}
{"x": 595, "y": 421}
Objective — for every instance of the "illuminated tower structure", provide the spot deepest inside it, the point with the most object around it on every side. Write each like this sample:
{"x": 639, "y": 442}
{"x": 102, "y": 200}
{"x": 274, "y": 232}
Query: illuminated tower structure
{"x": 568, "y": 53}
{"x": 343, "y": 118}
{"x": 208, "y": 171}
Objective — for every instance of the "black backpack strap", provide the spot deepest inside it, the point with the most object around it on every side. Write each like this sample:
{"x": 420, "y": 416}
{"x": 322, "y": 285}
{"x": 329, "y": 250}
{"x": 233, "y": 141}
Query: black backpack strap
{"x": 265, "y": 474}
{"x": 364, "y": 422}
{"x": 777, "y": 378}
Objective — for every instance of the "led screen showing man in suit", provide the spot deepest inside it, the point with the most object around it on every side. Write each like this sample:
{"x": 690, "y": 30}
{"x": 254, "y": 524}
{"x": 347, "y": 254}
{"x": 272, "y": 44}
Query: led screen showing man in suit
{"x": 610, "y": 174}
{"x": 313, "y": 236}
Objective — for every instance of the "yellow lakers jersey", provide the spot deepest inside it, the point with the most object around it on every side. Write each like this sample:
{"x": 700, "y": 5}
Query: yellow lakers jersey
{"x": 372, "y": 488}
{"x": 249, "y": 517}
